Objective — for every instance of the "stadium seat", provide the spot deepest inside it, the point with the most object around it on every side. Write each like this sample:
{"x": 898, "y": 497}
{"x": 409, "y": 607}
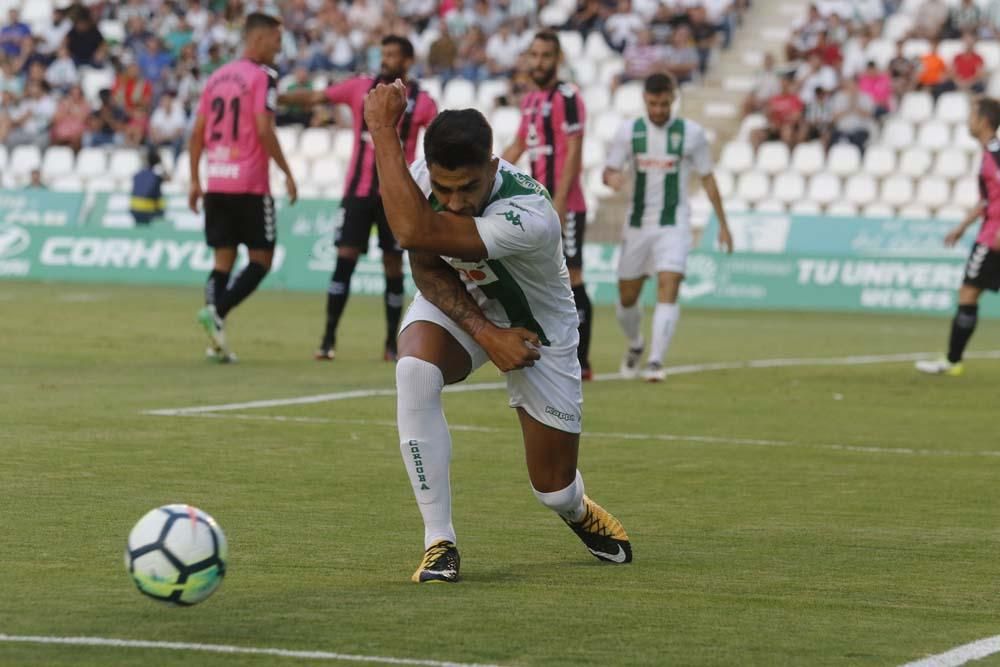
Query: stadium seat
{"x": 881, "y": 51}
{"x": 171, "y": 187}
{"x": 788, "y": 187}
{"x": 808, "y": 158}
{"x": 553, "y": 15}
{"x": 754, "y": 121}
{"x": 725, "y": 182}
{"x": 963, "y": 140}
{"x": 897, "y": 26}
{"x": 753, "y": 186}
{"x": 897, "y": 191}
{"x": 288, "y": 137}
{"x": 278, "y": 188}
{"x": 914, "y": 212}
{"x": 610, "y": 68}
{"x": 66, "y": 183}
{"x": 951, "y": 163}
{"x": 315, "y": 142}
{"x": 343, "y": 145}
{"x": 92, "y": 162}
{"x": 124, "y": 163}
{"x": 627, "y": 100}
{"x": 4, "y": 155}
{"x": 736, "y": 206}
{"x": 57, "y": 161}
{"x": 878, "y": 210}
{"x": 950, "y": 212}
{"x": 805, "y": 207}
{"x": 324, "y": 170}
{"x": 310, "y": 191}
{"x": 299, "y": 166}
{"x": 949, "y": 48}
{"x": 605, "y": 127}
{"x": 585, "y": 72}
{"x": 897, "y": 133}
{"x": 102, "y": 184}
{"x": 505, "y": 122}
{"x": 36, "y": 13}
{"x": 932, "y": 192}
{"x": 596, "y": 49}
{"x": 824, "y": 188}
{"x": 990, "y": 52}
{"x": 860, "y": 190}
{"x": 737, "y": 157}
{"x": 432, "y": 86}
{"x": 770, "y": 206}
{"x": 914, "y": 48}
{"x": 458, "y": 94}
{"x": 966, "y": 193}
{"x": 112, "y": 30}
{"x": 488, "y": 92}
{"x": 571, "y": 44}
{"x": 596, "y": 100}
{"x": 880, "y": 161}
{"x": 843, "y": 159}
{"x": 23, "y": 159}
{"x": 595, "y": 185}
{"x": 952, "y": 108}
{"x": 93, "y": 81}
{"x": 934, "y": 135}
{"x": 593, "y": 153}
{"x": 843, "y": 209}
{"x": 915, "y": 161}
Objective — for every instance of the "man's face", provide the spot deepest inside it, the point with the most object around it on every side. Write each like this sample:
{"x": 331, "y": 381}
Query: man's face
{"x": 975, "y": 121}
{"x": 394, "y": 64}
{"x": 543, "y": 59}
{"x": 464, "y": 190}
{"x": 267, "y": 43}
{"x": 658, "y": 106}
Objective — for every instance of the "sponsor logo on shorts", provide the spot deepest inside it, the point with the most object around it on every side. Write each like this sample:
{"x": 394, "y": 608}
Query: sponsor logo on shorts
{"x": 565, "y": 416}
{"x": 975, "y": 265}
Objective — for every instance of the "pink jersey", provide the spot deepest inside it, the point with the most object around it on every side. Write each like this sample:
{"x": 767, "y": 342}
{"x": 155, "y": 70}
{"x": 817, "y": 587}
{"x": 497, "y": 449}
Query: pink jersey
{"x": 362, "y": 181}
{"x": 233, "y": 98}
{"x": 548, "y": 119}
{"x": 989, "y": 188}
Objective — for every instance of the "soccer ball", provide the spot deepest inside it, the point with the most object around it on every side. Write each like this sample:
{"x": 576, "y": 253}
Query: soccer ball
{"x": 176, "y": 553}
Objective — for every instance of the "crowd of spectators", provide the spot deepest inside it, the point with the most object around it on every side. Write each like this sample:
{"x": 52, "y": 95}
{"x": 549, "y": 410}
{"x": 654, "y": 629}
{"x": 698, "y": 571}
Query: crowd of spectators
{"x": 829, "y": 90}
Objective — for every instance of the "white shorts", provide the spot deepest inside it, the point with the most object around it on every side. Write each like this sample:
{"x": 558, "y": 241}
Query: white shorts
{"x": 550, "y": 391}
{"x": 646, "y": 251}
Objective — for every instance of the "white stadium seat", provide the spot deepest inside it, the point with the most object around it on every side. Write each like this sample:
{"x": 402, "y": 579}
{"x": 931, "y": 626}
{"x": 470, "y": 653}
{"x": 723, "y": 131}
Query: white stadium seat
{"x": 897, "y": 190}
{"x": 112, "y": 30}
{"x": 627, "y": 100}
{"x": 949, "y": 48}
{"x": 315, "y": 142}
{"x": 914, "y": 212}
{"x": 102, "y": 184}
{"x": 124, "y": 163}
{"x": 754, "y": 121}
{"x": 585, "y": 72}
{"x": 843, "y": 159}
{"x": 843, "y": 209}
{"x": 951, "y": 163}
{"x": 966, "y": 193}
{"x": 808, "y": 158}
{"x": 595, "y": 184}
{"x": 916, "y": 107}
{"x": 952, "y": 108}
{"x": 23, "y": 159}
{"x": 325, "y": 170}
{"x": 914, "y": 48}
{"x": 915, "y": 161}
{"x": 606, "y": 126}
{"x": 725, "y": 182}
{"x": 881, "y": 51}
{"x": 593, "y": 153}
{"x": 990, "y": 52}
{"x": 879, "y": 161}
{"x": 963, "y": 140}
{"x": 596, "y": 100}
{"x": 288, "y": 137}
{"x": 66, "y": 183}
{"x": 897, "y": 133}
{"x": 753, "y": 186}
{"x": 805, "y": 207}
{"x": 737, "y": 206}
{"x": 933, "y": 192}
{"x": 737, "y": 157}
{"x": 770, "y": 206}
{"x": 343, "y": 145}
{"x": 488, "y": 92}
{"x": 571, "y": 44}
{"x": 788, "y": 187}
{"x": 934, "y": 135}
{"x": 609, "y": 68}
{"x": 772, "y": 157}
{"x": 824, "y": 188}
{"x": 57, "y": 162}
{"x": 950, "y": 212}
{"x": 505, "y": 122}
{"x": 3, "y": 157}
{"x": 93, "y": 81}
{"x": 168, "y": 161}
{"x": 310, "y": 191}
{"x": 93, "y": 162}
{"x": 596, "y": 48}
{"x": 458, "y": 94}
{"x": 878, "y": 210}
{"x": 860, "y": 190}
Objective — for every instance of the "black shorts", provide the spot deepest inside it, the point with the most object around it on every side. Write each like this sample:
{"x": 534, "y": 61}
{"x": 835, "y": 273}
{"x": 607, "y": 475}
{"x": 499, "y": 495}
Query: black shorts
{"x": 234, "y": 219}
{"x": 573, "y": 234}
{"x": 359, "y": 215}
{"x": 983, "y": 268}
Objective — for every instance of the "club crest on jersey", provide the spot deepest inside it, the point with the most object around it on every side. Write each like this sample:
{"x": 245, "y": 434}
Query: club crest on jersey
{"x": 675, "y": 141}
{"x": 477, "y": 272}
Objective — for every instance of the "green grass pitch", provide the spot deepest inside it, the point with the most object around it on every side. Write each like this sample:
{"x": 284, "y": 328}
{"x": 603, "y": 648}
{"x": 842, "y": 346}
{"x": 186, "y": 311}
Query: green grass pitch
{"x": 805, "y": 515}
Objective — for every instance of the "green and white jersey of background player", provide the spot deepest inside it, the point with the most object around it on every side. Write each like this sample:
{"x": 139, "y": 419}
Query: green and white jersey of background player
{"x": 523, "y": 282}
{"x": 657, "y": 234}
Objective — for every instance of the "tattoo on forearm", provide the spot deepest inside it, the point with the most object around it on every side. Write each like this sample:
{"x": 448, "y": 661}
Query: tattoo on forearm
{"x": 441, "y": 286}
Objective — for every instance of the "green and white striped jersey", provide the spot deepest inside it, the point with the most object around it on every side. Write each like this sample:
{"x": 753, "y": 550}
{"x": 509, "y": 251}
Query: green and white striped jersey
{"x": 524, "y": 281}
{"x": 661, "y": 158}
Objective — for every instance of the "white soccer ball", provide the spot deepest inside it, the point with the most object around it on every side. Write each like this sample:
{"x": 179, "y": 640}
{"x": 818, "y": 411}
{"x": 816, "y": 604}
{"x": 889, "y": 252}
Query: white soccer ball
{"x": 177, "y": 553}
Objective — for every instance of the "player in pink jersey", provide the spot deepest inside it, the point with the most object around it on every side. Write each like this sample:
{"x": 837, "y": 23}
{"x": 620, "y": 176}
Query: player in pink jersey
{"x": 982, "y": 271}
{"x": 551, "y": 130}
{"x": 234, "y": 129}
{"x": 362, "y": 204}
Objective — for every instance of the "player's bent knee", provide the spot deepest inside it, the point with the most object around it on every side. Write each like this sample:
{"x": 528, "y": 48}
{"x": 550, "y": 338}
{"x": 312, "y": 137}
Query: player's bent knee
{"x": 562, "y": 497}
{"x": 418, "y": 382}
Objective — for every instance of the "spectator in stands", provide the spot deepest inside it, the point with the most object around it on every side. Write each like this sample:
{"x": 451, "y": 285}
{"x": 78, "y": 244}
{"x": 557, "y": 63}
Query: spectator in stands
{"x": 766, "y": 85}
{"x": 85, "y": 42}
{"x": 168, "y": 123}
{"x": 35, "y": 183}
{"x": 817, "y": 118}
{"x": 62, "y": 73}
{"x": 877, "y": 85}
{"x": 189, "y": 88}
{"x": 472, "y": 55}
{"x": 813, "y": 74}
{"x": 105, "y": 125}
{"x": 13, "y": 33}
{"x": 641, "y": 59}
{"x": 364, "y": 15}
{"x": 856, "y": 54}
{"x": 502, "y": 50}
{"x": 784, "y": 114}
{"x": 828, "y": 51}
{"x": 70, "y": 120}
{"x": 54, "y": 35}
{"x": 31, "y": 118}
{"x": 991, "y": 20}
{"x": 197, "y": 17}
{"x": 483, "y": 16}
{"x": 29, "y": 57}
{"x": 342, "y": 55}
{"x": 176, "y": 39}
{"x": 153, "y": 60}
{"x": 930, "y": 20}
{"x": 964, "y": 18}
{"x": 136, "y": 126}
{"x": 621, "y": 27}
{"x": 704, "y": 34}
{"x": 10, "y": 81}
{"x": 291, "y": 114}
{"x": 136, "y": 34}
{"x": 721, "y": 15}
{"x": 837, "y": 31}
{"x": 130, "y": 89}
{"x": 214, "y": 60}
{"x": 852, "y": 115}
{"x": 805, "y": 35}
{"x": 680, "y": 58}
{"x": 902, "y": 71}
{"x": 586, "y": 18}
{"x": 442, "y": 55}
{"x": 417, "y": 13}
{"x": 932, "y": 75}
{"x": 968, "y": 70}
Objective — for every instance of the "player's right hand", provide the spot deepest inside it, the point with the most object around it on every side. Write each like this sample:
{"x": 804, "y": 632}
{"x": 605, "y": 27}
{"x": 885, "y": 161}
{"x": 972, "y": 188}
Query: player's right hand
{"x": 293, "y": 190}
{"x": 194, "y": 196}
{"x": 953, "y": 237}
{"x": 510, "y": 349}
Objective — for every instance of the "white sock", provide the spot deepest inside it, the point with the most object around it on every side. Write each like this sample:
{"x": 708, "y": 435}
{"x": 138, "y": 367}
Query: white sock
{"x": 630, "y": 320}
{"x": 665, "y": 318}
{"x": 568, "y": 502}
{"x": 425, "y": 444}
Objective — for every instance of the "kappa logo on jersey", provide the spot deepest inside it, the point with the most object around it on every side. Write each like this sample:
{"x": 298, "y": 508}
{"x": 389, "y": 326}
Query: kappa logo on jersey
{"x": 477, "y": 272}
{"x": 514, "y": 219}
{"x": 13, "y": 241}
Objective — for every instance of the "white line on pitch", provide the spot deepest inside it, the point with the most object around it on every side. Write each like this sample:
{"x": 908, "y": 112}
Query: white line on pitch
{"x": 223, "y": 648}
{"x": 960, "y": 654}
{"x": 857, "y": 360}
{"x": 663, "y": 437}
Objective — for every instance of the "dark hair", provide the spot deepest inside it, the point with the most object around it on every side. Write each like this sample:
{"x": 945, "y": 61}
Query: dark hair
{"x": 458, "y": 138}
{"x": 661, "y": 82}
{"x": 989, "y": 108}
{"x": 405, "y": 45}
{"x": 258, "y": 20}
{"x": 551, "y": 37}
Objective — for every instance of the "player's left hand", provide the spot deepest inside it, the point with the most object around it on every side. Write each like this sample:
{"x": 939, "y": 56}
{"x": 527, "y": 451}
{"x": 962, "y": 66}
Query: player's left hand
{"x": 292, "y": 189}
{"x": 726, "y": 240}
{"x": 385, "y": 105}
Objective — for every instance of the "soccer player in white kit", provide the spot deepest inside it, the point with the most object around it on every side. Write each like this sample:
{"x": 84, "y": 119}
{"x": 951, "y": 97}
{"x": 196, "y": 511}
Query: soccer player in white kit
{"x": 661, "y": 151}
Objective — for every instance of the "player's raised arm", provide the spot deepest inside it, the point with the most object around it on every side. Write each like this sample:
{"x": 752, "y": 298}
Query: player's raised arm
{"x": 413, "y": 221}
{"x": 302, "y": 98}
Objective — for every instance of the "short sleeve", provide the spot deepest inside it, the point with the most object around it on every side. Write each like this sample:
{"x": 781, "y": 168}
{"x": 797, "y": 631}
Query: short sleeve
{"x": 574, "y": 114}
{"x": 701, "y": 153}
{"x": 430, "y": 111}
{"x": 419, "y": 173}
{"x": 516, "y": 226}
{"x": 620, "y": 149}
{"x": 266, "y": 94}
